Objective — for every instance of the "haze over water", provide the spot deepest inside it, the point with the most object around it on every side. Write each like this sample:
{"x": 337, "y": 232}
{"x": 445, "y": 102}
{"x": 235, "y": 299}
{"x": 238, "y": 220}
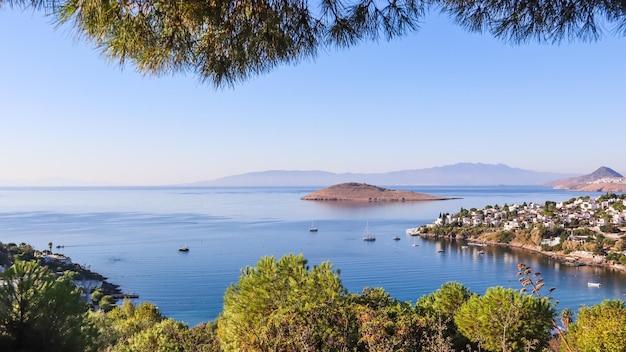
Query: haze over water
{"x": 131, "y": 236}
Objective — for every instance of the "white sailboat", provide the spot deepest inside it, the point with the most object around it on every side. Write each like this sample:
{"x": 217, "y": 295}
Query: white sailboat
{"x": 414, "y": 243}
{"x": 367, "y": 236}
{"x": 313, "y": 228}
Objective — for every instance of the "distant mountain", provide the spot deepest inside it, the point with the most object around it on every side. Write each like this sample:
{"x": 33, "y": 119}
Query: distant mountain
{"x": 461, "y": 174}
{"x": 604, "y": 179}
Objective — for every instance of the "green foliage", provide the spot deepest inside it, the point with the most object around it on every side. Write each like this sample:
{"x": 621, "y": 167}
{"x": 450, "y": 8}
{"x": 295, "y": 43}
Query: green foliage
{"x": 505, "y": 320}
{"x": 40, "y": 312}
{"x": 619, "y": 206}
{"x": 384, "y": 323}
{"x": 607, "y": 196}
{"x": 202, "y": 338}
{"x": 123, "y": 324}
{"x": 129, "y": 319}
{"x": 505, "y": 236}
{"x": 282, "y": 305}
{"x": 600, "y": 328}
{"x": 436, "y": 312}
{"x": 106, "y": 303}
{"x": 96, "y": 296}
{"x": 164, "y": 336}
{"x": 610, "y": 229}
{"x": 549, "y": 208}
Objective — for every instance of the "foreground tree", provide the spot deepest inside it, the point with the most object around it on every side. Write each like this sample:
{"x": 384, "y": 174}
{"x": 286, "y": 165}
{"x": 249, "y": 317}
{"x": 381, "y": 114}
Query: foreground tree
{"x": 601, "y": 327}
{"x": 281, "y": 305}
{"x": 226, "y": 41}
{"x": 506, "y": 320}
{"x": 384, "y": 323}
{"x": 41, "y": 312}
{"x": 436, "y": 312}
{"x": 123, "y": 323}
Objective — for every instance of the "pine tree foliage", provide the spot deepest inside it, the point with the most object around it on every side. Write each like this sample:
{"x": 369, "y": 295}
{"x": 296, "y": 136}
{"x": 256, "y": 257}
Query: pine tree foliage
{"x": 601, "y": 327}
{"x": 505, "y": 320}
{"x": 281, "y": 305}
{"x": 40, "y": 311}
{"x": 227, "y": 41}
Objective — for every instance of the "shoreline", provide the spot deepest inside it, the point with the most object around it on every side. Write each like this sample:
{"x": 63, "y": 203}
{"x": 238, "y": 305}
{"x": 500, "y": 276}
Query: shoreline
{"x": 560, "y": 257}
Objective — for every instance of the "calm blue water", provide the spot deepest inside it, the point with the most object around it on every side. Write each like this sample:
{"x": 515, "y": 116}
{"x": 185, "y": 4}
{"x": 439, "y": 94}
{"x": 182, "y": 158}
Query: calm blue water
{"x": 131, "y": 236}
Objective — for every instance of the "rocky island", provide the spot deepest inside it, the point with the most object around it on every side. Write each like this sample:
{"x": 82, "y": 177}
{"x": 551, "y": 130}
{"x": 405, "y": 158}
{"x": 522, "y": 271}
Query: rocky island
{"x": 362, "y": 192}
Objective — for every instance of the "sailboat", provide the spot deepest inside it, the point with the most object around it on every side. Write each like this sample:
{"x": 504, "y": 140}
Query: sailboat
{"x": 366, "y": 234}
{"x": 313, "y": 228}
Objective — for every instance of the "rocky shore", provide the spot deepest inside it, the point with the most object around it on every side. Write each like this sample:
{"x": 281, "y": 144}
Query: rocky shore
{"x": 575, "y": 258}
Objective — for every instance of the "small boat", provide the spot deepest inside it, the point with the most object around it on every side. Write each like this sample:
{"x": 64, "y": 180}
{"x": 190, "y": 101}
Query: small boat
{"x": 464, "y": 247}
{"x": 594, "y": 284}
{"x": 367, "y": 236}
{"x": 481, "y": 252}
{"x": 440, "y": 251}
{"x": 183, "y": 249}
{"x": 475, "y": 244}
{"x": 313, "y": 228}
{"x": 396, "y": 238}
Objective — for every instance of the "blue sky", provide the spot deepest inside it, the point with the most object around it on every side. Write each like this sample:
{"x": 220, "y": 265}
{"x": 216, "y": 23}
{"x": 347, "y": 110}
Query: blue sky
{"x": 437, "y": 97}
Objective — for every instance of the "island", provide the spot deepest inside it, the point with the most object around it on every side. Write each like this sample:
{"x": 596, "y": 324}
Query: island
{"x": 362, "y": 192}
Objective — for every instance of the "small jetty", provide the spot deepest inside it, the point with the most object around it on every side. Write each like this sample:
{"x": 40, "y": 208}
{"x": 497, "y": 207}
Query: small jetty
{"x": 124, "y": 295}
{"x": 415, "y": 231}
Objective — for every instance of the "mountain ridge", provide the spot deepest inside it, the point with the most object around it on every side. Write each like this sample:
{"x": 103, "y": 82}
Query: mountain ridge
{"x": 604, "y": 179}
{"x": 460, "y": 174}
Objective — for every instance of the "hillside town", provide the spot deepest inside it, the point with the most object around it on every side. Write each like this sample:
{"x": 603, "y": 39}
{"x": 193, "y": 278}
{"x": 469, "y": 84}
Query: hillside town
{"x": 581, "y": 229}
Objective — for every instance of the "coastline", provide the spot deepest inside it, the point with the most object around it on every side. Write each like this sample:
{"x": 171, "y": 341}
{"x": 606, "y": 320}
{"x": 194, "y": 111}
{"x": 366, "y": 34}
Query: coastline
{"x": 587, "y": 260}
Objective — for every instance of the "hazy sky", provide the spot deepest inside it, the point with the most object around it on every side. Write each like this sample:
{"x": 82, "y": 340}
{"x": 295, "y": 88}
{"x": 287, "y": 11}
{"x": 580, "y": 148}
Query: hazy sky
{"x": 438, "y": 97}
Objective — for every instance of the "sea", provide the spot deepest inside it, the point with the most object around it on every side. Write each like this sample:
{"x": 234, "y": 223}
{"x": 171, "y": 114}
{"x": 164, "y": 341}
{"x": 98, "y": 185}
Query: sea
{"x": 131, "y": 235}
